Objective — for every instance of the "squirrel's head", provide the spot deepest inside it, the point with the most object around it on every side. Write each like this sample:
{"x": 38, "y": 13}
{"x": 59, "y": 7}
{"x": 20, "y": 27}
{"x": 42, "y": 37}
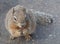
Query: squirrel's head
{"x": 19, "y": 17}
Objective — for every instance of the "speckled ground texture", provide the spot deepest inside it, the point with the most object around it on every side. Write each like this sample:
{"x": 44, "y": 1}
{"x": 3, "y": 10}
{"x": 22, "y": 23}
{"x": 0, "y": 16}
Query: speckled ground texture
{"x": 44, "y": 34}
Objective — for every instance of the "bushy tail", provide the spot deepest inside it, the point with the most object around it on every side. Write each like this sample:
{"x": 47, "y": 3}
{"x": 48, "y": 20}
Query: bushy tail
{"x": 43, "y": 18}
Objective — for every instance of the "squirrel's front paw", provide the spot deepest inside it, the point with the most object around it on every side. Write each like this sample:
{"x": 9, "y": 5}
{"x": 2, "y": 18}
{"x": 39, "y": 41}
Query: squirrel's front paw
{"x": 28, "y": 37}
{"x": 12, "y": 38}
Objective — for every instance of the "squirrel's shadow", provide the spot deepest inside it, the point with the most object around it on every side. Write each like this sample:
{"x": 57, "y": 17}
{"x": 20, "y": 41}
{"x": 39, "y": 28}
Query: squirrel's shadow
{"x": 42, "y": 32}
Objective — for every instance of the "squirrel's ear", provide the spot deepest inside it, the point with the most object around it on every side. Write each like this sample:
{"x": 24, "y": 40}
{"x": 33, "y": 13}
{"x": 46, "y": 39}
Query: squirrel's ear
{"x": 13, "y": 11}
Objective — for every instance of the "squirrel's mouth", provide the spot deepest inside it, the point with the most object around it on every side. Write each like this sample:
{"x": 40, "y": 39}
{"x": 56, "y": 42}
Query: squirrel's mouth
{"x": 21, "y": 25}
{"x": 20, "y": 28}
{"x": 24, "y": 26}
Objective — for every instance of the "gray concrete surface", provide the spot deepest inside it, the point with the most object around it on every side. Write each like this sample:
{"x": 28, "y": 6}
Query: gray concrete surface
{"x": 44, "y": 34}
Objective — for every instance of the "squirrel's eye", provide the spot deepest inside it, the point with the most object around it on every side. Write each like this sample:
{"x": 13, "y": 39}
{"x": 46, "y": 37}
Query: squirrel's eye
{"x": 15, "y": 18}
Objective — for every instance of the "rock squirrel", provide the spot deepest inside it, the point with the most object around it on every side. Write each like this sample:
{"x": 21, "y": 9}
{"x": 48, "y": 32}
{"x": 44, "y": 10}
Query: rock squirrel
{"x": 21, "y": 21}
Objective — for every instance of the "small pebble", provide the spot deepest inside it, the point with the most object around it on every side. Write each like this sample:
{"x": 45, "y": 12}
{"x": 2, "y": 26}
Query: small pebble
{"x": 36, "y": 36}
{"x": 50, "y": 35}
{"x": 33, "y": 40}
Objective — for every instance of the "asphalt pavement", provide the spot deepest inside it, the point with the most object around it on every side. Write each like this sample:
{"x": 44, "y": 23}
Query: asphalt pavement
{"x": 44, "y": 34}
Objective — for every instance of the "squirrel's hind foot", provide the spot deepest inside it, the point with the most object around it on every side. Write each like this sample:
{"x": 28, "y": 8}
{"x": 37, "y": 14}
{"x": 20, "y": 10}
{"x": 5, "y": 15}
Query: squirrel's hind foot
{"x": 12, "y": 38}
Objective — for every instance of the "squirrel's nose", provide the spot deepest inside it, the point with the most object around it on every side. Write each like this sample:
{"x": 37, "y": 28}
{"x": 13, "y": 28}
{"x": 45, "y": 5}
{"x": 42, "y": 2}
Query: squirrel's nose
{"x": 21, "y": 25}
